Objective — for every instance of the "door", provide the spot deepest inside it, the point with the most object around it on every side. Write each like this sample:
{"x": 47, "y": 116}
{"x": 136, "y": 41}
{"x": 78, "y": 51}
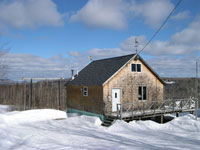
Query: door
{"x": 115, "y": 99}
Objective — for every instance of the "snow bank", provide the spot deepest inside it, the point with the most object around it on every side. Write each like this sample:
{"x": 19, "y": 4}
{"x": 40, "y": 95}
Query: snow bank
{"x": 135, "y": 126}
{"x": 184, "y": 123}
{"x": 20, "y": 117}
{"x": 4, "y": 109}
{"x": 84, "y": 120}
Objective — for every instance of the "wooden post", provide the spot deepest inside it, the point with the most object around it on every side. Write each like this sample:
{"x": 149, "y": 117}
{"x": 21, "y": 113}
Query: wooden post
{"x": 24, "y": 95}
{"x": 161, "y": 119}
{"x": 31, "y": 94}
{"x": 181, "y": 104}
{"x": 196, "y": 107}
{"x": 59, "y": 94}
{"x": 121, "y": 112}
{"x": 143, "y": 107}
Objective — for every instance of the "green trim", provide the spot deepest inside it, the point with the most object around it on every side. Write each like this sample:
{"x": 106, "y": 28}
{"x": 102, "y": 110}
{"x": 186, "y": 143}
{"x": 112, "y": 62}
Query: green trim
{"x": 70, "y": 110}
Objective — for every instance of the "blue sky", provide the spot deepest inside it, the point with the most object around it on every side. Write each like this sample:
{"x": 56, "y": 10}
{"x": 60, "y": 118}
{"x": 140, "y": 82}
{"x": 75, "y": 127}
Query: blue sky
{"x": 48, "y": 38}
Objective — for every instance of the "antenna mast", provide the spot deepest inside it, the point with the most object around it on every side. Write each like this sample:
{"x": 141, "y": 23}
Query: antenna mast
{"x": 136, "y": 44}
{"x": 90, "y": 58}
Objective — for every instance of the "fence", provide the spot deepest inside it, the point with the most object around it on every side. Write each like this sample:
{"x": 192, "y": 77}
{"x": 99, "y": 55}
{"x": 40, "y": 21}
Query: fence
{"x": 32, "y": 95}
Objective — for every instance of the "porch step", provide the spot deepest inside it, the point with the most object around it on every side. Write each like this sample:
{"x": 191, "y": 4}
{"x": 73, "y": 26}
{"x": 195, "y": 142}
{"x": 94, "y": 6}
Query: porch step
{"x": 108, "y": 121}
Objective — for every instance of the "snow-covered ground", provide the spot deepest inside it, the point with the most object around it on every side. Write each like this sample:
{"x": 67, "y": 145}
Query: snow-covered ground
{"x": 45, "y": 130}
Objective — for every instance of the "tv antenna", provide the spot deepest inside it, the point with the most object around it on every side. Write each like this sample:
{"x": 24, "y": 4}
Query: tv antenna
{"x": 136, "y": 44}
{"x": 90, "y": 58}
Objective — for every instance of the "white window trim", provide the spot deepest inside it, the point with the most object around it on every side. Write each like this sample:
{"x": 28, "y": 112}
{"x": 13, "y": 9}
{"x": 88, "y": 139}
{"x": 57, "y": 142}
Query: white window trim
{"x": 85, "y": 87}
{"x": 136, "y": 68}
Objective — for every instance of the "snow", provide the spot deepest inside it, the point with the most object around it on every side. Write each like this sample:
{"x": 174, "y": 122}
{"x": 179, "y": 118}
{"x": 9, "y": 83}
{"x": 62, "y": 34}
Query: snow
{"x": 30, "y": 116}
{"x": 4, "y": 109}
{"x": 169, "y": 82}
{"x": 43, "y": 129}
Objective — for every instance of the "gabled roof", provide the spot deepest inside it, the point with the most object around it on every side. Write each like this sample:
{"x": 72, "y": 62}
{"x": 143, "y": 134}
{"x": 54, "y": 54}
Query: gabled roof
{"x": 100, "y": 71}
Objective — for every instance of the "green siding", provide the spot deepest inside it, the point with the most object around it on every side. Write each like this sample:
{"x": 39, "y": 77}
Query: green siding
{"x": 70, "y": 110}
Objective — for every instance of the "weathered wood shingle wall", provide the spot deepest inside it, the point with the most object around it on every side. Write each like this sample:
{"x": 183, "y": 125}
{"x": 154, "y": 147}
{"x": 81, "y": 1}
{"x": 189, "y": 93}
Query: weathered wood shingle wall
{"x": 129, "y": 81}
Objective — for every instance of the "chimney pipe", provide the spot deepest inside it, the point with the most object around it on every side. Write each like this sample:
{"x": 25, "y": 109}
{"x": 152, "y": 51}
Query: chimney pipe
{"x": 77, "y": 72}
{"x": 72, "y": 74}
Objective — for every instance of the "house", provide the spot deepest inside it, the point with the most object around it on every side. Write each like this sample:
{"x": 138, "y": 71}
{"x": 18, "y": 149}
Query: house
{"x": 103, "y": 84}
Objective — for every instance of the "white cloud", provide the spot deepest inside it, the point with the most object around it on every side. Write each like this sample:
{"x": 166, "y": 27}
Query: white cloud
{"x": 27, "y": 65}
{"x": 153, "y": 11}
{"x": 29, "y": 13}
{"x": 181, "y": 15}
{"x": 184, "y": 42}
{"x": 173, "y": 58}
{"x": 115, "y": 14}
{"x": 102, "y": 13}
{"x": 105, "y": 53}
{"x": 74, "y": 53}
{"x": 169, "y": 66}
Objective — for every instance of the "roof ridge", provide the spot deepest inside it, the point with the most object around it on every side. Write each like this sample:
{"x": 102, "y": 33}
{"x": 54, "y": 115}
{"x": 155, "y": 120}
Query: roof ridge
{"x": 114, "y": 57}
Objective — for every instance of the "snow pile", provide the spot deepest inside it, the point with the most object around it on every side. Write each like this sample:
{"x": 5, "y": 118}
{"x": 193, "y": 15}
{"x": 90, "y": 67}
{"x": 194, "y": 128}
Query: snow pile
{"x": 184, "y": 123}
{"x": 85, "y": 120}
{"x": 4, "y": 109}
{"x": 30, "y": 116}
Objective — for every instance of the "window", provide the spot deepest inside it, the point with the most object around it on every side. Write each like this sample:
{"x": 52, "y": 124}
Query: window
{"x": 115, "y": 95}
{"x": 85, "y": 91}
{"x": 136, "y": 67}
{"x": 142, "y": 93}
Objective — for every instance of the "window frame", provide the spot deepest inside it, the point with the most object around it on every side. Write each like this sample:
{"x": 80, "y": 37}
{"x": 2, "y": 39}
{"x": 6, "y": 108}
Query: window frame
{"x": 141, "y": 95}
{"x": 136, "y": 67}
{"x": 85, "y": 91}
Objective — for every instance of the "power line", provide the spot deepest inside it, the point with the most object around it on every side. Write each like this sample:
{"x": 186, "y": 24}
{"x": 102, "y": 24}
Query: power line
{"x": 161, "y": 26}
